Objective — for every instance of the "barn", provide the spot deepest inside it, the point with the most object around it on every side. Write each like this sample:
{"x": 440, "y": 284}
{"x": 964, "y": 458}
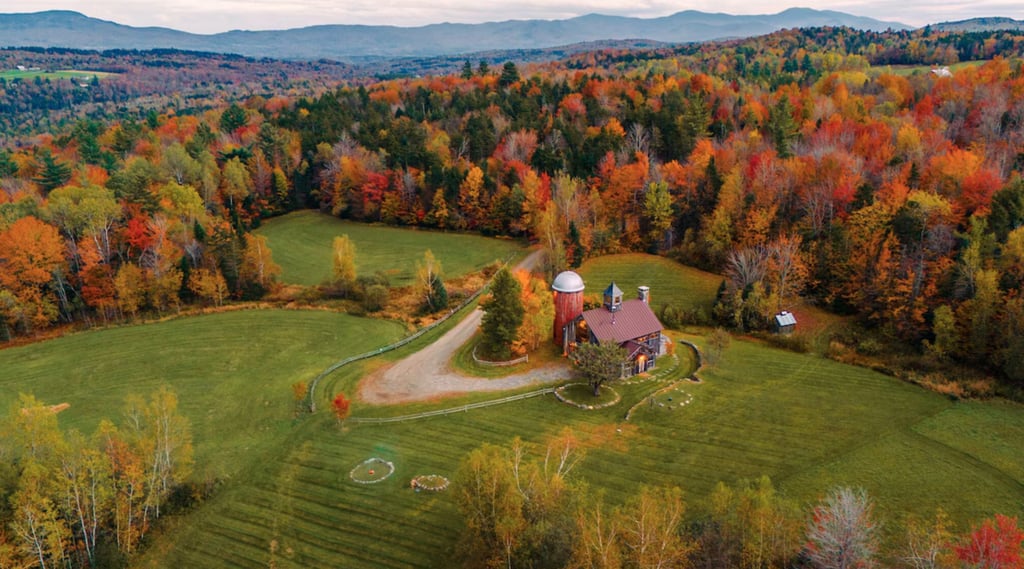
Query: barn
{"x": 629, "y": 323}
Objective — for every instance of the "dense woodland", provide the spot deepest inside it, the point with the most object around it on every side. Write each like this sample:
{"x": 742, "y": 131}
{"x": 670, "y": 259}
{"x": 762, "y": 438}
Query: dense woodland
{"x": 788, "y": 163}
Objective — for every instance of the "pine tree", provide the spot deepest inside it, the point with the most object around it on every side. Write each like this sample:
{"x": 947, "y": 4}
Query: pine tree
{"x": 503, "y": 314}
{"x": 52, "y": 174}
{"x": 509, "y": 74}
{"x": 782, "y": 127}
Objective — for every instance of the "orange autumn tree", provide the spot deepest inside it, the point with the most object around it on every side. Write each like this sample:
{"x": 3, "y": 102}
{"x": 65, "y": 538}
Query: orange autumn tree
{"x": 31, "y": 253}
{"x": 340, "y": 405}
{"x": 539, "y": 313}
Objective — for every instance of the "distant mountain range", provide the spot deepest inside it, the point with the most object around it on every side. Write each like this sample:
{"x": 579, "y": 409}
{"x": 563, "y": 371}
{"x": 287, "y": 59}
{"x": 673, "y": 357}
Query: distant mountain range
{"x": 980, "y": 25}
{"x": 356, "y": 43}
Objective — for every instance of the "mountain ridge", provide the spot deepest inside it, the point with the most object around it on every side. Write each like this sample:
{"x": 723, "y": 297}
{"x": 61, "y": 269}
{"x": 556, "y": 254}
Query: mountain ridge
{"x": 985, "y": 24}
{"x": 353, "y": 42}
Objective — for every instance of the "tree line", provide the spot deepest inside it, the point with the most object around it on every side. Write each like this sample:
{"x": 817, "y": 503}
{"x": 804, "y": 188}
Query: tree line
{"x": 77, "y": 500}
{"x": 523, "y": 506}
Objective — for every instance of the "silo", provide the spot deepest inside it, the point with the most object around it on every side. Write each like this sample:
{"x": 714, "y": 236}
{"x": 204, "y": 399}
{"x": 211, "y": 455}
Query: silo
{"x": 568, "y": 290}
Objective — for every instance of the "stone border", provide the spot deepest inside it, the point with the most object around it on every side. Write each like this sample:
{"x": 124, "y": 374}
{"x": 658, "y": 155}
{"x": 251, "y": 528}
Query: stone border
{"x": 487, "y": 363}
{"x": 418, "y": 483}
{"x": 677, "y": 386}
{"x": 372, "y": 460}
{"x": 694, "y": 378}
{"x": 563, "y": 399}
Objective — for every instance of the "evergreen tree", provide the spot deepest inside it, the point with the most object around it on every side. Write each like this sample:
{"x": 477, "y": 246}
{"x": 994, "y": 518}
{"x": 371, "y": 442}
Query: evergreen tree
{"x": 52, "y": 174}
{"x": 782, "y": 127}
{"x": 503, "y": 314}
{"x": 509, "y": 74}
{"x": 233, "y": 118}
{"x": 574, "y": 248}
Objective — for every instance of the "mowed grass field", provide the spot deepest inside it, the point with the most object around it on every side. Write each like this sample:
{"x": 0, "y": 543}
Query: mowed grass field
{"x": 302, "y": 244}
{"x": 287, "y": 500}
{"x": 232, "y": 373}
{"x": 671, "y": 283}
{"x": 807, "y": 422}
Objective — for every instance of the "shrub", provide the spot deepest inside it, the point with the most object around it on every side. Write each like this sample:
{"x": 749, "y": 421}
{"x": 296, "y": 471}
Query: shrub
{"x": 375, "y": 297}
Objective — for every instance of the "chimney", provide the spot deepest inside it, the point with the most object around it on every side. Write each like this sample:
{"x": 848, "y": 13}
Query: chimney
{"x": 644, "y": 294}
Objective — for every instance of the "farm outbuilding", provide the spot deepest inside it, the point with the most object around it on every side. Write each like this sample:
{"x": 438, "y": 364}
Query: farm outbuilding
{"x": 785, "y": 322}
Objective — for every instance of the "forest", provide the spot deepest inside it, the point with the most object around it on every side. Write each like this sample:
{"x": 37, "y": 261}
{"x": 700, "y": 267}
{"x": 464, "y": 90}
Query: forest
{"x": 795, "y": 164}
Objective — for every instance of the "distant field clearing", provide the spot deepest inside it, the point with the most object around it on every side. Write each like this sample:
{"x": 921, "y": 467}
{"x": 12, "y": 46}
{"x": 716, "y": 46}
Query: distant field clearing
{"x": 31, "y": 74}
{"x": 302, "y": 245}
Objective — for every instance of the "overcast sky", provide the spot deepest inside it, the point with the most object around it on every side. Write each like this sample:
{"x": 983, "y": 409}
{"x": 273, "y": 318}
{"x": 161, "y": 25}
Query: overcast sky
{"x": 211, "y": 16}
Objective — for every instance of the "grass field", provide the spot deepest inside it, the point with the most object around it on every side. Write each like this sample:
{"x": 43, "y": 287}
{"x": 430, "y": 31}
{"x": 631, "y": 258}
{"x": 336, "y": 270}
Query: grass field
{"x": 232, "y": 373}
{"x": 302, "y": 241}
{"x": 807, "y": 422}
{"x": 917, "y": 69}
{"x": 287, "y": 501}
{"x": 27, "y": 75}
{"x": 670, "y": 282}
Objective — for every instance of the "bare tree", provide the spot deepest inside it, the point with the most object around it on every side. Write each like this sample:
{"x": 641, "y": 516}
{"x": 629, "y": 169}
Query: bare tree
{"x": 842, "y": 533}
{"x": 788, "y": 266}
{"x": 928, "y": 544}
{"x": 747, "y": 266}
{"x": 651, "y": 530}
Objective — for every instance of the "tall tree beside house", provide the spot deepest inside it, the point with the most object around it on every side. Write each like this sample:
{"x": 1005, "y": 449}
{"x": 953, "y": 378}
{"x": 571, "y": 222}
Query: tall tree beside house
{"x": 599, "y": 363}
{"x": 539, "y": 311}
{"x": 503, "y": 315}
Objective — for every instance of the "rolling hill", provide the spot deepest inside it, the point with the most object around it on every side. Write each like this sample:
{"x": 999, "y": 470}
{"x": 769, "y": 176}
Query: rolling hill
{"x": 357, "y": 42}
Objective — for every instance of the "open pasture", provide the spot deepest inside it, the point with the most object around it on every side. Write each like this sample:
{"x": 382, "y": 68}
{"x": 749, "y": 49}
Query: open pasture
{"x": 807, "y": 422}
{"x": 232, "y": 373}
{"x": 671, "y": 283}
{"x": 32, "y": 74}
{"x": 302, "y": 245}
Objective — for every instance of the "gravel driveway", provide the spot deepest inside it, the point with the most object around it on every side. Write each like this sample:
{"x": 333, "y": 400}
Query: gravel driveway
{"x": 426, "y": 374}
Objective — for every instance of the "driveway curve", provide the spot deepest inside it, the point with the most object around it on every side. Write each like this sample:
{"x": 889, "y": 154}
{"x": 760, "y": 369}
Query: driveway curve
{"x": 426, "y": 374}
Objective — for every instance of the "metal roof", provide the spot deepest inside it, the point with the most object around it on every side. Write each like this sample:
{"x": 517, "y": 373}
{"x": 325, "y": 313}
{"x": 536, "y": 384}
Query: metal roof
{"x": 785, "y": 318}
{"x": 567, "y": 281}
{"x": 612, "y": 290}
{"x": 633, "y": 320}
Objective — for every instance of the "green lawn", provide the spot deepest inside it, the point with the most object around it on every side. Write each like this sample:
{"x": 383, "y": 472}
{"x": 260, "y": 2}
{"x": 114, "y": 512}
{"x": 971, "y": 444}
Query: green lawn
{"x": 302, "y": 241}
{"x": 232, "y": 373}
{"x": 287, "y": 501}
{"x": 807, "y": 422}
{"x": 670, "y": 283}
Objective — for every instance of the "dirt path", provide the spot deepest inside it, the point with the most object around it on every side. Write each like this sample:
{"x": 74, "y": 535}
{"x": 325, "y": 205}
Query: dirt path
{"x": 427, "y": 375}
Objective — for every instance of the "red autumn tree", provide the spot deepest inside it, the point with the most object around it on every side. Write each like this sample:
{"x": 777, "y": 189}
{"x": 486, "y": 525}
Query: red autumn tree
{"x": 340, "y": 404}
{"x": 994, "y": 545}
